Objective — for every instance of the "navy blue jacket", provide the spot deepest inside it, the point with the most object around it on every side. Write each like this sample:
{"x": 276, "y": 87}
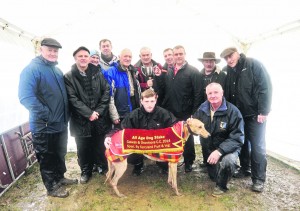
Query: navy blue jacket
{"x": 42, "y": 91}
{"x": 226, "y": 128}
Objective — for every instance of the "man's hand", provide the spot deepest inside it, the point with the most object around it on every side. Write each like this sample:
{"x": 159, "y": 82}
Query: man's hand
{"x": 116, "y": 122}
{"x": 150, "y": 82}
{"x": 261, "y": 118}
{"x": 158, "y": 71}
{"x": 214, "y": 157}
{"x": 94, "y": 116}
{"x": 107, "y": 142}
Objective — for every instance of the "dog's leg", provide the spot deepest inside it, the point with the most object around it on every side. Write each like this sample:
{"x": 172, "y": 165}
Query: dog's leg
{"x": 120, "y": 168}
{"x": 110, "y": 171}
{"x": 172, "y": 177}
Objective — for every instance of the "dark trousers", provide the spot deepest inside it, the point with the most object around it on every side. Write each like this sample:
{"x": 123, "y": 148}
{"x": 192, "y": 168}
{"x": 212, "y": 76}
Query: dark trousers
{"x": 189, "y": 153}
{"x": 222, "y": 172}
{"x": 50, "y": 149}
{"x": 205, "y": 151}
{"x": 254, "y": 150}
{"x": 90, "y": 151}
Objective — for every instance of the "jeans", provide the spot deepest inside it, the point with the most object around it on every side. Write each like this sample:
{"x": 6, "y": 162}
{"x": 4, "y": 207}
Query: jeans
{"x": 254, "y": 149}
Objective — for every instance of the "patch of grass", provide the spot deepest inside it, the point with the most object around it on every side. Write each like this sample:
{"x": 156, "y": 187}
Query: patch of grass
{"x": 227, "y": 200}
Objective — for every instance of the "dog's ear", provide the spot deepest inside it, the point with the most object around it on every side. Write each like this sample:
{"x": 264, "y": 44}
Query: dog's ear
{"x": 188, "y": 121}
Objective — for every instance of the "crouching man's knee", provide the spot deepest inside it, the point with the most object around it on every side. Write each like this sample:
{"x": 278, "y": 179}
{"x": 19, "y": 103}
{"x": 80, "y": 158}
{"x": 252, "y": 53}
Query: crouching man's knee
{"x": 229, "y": 162}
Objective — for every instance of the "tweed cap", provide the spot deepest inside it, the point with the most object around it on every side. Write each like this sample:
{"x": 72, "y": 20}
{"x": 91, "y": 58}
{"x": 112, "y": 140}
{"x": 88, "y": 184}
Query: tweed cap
{"x": 51, "y": 43}
{"x": 228, "y": 51}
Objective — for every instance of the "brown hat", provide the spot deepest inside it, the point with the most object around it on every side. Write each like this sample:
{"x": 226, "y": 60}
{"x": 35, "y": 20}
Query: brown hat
{"x": 209, "y": 56}
{"x": 228, "y": 51}
{"x": 51, "y": 43}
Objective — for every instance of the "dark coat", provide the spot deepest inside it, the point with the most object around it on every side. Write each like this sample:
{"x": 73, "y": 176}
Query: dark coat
{"x": 181, "y": 93}
{"x": 80, "y": 105}
{"x": 140, "y": 119}
{"x": 226, "y": 128}
{"x": 248, "y": 87}
{"x": 217, "y": 76}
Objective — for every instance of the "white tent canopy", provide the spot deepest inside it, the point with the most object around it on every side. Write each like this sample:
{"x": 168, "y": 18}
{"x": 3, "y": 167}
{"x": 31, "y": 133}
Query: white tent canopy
{"x": 267, "y": 30}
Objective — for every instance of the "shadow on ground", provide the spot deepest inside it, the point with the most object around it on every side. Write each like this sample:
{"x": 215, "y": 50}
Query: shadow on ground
{"x": 150, "y": 191}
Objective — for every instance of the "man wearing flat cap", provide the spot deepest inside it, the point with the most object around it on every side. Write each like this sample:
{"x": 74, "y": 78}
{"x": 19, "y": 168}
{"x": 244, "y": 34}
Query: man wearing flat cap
{"x": 210, "y": 73}
{"x": 248, "y": 87}
{"x": 88, "y": 95}
{"x": 42, "y": 91}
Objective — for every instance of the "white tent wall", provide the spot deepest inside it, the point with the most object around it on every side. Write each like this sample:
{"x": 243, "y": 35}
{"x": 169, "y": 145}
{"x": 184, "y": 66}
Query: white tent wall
{"x": 16, "y": 51}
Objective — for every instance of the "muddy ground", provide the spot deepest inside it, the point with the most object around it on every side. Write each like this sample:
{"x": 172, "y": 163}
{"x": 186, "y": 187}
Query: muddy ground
{"x": 150, "y": 191}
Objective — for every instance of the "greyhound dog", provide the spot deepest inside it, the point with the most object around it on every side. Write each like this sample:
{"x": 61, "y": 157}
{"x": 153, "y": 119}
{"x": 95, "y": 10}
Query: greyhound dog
{"x": 117, "y": 164}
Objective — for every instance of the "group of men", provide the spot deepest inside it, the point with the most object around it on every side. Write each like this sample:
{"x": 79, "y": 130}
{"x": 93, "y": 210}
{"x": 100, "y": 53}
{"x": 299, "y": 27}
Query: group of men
{"x": 103, "y": 93}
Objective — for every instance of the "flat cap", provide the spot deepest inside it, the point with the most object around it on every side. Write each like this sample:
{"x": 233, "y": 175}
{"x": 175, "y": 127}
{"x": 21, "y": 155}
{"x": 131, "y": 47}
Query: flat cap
{"x": 51, "y": 43}
{"x": 80, "y": 49}
{"x": 228, "y": 51}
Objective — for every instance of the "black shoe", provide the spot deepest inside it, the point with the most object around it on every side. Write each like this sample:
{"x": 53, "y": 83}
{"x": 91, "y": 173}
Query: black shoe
{"x": 241, "y": 173}
{"x": 95, "y": 168}
{"x": 258, "y": 186}
{"x": 59, "y": 192}
{"x": 66, "y": 181}
{"x": 137, "y": 170}
{"x": 84, "y": 178}
{"x": 103, "y": 170}
{"x": 163, "y": 167}
{"x": 218, "y": 191}
{"x": 99, "y": 170}
{"x": 203, "y": 165}
{"x": 188, "y": 168}
{"x": 164, "y": 171}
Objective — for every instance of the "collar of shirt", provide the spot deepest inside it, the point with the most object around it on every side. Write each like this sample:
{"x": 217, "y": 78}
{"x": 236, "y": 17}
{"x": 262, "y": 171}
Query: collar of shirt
{"x": 176, "y": 69}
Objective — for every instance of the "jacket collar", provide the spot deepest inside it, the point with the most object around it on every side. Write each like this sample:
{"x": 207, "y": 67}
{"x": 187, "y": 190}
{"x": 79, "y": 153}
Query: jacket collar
{"x": 92, "y": 70}
{"x": 205, "y": 107}
{"x": 46, "y": 61}
{"x": 216, "y": 70}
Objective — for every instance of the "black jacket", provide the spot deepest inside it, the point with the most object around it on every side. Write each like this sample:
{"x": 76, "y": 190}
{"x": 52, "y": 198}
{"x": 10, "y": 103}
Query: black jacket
{"x": 226, "y": 128}
{"x": 140, "y": 119}
{"x": 80, "y": 106}
{"x": 217, "y": 76}
{"x": 181, "y": 93}
{"x": 248, "y": 87}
